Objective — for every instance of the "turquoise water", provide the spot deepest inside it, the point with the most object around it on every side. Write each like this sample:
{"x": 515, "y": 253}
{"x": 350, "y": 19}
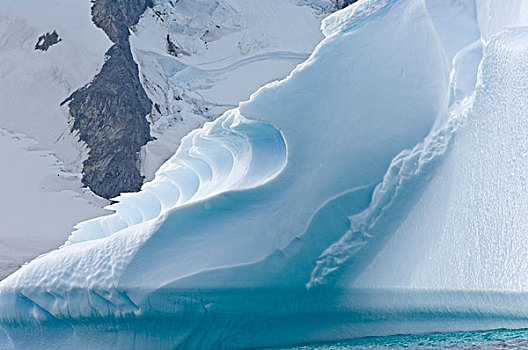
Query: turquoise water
{"x": 480, "y": 340}
{"x": 495, "y": 339}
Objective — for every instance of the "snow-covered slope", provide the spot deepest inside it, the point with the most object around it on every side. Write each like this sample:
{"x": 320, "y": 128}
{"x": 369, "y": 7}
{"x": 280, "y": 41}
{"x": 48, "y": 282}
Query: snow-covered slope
{"x": 34, "y": 82}
{"x": 56, "y": 204}
{"x": 378, "y": 189}
{"x": 40, "y": 159}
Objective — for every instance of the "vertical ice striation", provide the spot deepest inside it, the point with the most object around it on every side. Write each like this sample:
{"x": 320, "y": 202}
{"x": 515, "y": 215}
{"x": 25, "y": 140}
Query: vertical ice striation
{"x": 412, "y": 207}
{"x": 468, "y": 225}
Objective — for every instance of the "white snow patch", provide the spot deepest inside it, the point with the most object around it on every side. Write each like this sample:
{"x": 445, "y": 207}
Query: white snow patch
{"x": 32, "y": 85}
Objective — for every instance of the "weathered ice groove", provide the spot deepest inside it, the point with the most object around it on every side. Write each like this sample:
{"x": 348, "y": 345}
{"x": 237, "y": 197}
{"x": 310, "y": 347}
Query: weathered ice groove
{"x": 110, "y": 112}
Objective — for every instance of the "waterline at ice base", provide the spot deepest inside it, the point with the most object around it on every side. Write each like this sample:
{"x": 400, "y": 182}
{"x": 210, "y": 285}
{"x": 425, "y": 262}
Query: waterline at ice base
{"x": 381, "y": 188}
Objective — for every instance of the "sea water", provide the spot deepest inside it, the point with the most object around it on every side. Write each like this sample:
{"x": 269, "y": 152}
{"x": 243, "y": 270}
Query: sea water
{"x": 491, "y": 339}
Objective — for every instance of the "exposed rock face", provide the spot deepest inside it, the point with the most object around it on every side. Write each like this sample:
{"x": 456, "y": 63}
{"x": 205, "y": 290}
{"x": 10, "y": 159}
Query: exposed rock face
{"x": 341, "y": 4}
{"x": 45, "y": 41}
{"x": 110, "y": 112}
{"x": 174, "y": 49}
{"x": 116, "y": 16}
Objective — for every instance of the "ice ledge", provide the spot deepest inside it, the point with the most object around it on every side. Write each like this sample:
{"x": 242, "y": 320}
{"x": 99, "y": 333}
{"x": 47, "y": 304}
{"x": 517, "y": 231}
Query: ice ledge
{"x": 352, "y": 15}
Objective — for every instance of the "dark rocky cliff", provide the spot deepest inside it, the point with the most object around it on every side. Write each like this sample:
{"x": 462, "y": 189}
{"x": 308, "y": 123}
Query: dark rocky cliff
{"x": 341, "y": 4}
{"x": 110, "y": 112}
{"x": 47, "y": 40}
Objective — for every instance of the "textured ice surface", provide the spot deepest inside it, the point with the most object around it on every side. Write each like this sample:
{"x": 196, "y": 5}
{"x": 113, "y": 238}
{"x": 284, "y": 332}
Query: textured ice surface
{"x": 230, "y": 153}
{"x": 379, "y": 189}
{"x": 476, "y": 238}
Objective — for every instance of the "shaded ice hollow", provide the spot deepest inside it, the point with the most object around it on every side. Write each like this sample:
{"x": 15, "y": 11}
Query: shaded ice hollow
{"x": 379, "y": 189}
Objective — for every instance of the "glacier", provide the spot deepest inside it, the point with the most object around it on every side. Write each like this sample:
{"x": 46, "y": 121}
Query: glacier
{"x": 379, "y": 189}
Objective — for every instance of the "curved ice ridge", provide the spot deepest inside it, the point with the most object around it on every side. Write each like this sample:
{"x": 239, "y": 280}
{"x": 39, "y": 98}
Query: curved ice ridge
{"x": 231, "y": 152}
{"x": 405, "y": 172}
{"x": 348, "y": 17}
{"x": 411, "y": 169}
{"x": 411, "y": 172}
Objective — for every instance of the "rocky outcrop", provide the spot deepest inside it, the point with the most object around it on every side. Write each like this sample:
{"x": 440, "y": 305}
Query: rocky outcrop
{"x": 46, "y": 40}
{"x": 110, "y": 112}
{"x": 174, "y": 49}
{"x": 341, "y": 4}
{"x": 115, "y": 17}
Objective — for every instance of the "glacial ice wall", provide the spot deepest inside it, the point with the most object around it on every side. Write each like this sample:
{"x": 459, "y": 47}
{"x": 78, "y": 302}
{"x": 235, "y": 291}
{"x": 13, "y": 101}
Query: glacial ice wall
{"x": 473, "y": 206}
{"x": 379, "y": 189}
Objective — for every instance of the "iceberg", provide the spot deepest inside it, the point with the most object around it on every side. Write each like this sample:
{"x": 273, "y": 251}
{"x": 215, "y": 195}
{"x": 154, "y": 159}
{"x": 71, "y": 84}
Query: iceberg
{"x": 378, "y": 189}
